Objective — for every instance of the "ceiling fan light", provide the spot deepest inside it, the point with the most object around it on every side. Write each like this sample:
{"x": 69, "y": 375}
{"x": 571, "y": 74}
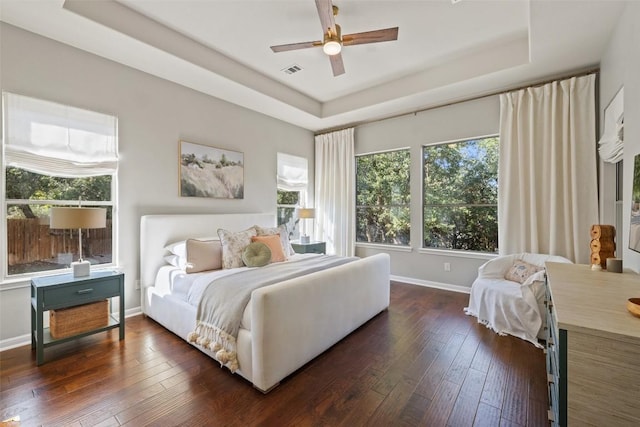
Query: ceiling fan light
{"x": 332, "y": 47}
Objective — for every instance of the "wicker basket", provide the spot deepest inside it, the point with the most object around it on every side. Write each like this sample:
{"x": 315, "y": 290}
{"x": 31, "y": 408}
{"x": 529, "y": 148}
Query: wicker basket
{"x": 75, "y": 320}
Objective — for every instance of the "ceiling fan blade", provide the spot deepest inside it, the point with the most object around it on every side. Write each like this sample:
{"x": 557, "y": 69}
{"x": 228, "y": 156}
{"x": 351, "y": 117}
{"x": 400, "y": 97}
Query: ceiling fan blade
{"x": 336, "y": 64}
{"x": 385, "y": 35}
{"x": 295, "y": 46}
{"x": 325, "y": 12}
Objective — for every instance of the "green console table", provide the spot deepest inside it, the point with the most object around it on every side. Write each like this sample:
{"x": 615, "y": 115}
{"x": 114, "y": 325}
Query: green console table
{"x": 64, "y": 291}
{"x": 309, "y": 248}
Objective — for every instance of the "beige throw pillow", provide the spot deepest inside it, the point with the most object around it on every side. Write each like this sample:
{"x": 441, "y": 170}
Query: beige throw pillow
{"x": 521, "y": 270}
{"x": 179, "y": 248}
{"x": 233, "y": 245}
{"x": 203, "y": 255}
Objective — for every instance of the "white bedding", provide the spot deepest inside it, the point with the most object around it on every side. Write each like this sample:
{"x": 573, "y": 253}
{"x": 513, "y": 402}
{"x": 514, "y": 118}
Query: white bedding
{"x": 175, "y": 284}
{"x": 200, "y": 283}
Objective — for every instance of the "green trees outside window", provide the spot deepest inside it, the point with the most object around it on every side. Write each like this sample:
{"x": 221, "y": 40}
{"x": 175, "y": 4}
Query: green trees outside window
{"x": 286, "y": 203}
{"x": 383, "y": 198}
{"x": 31, "y": 245}
{"x": 461, "y": 195}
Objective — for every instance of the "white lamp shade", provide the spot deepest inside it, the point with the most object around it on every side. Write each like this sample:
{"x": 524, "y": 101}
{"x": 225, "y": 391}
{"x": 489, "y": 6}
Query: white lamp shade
{"x": 78, "y": 218}
{"x": 306, "y": 213}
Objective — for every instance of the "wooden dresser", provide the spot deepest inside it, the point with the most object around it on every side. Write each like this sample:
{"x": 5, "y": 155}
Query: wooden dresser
{"x": 593, "y": 347}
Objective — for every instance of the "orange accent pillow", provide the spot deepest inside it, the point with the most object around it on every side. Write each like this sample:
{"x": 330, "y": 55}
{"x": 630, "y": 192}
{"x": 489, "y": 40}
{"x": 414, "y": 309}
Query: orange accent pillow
{"x": 274, "y": 243}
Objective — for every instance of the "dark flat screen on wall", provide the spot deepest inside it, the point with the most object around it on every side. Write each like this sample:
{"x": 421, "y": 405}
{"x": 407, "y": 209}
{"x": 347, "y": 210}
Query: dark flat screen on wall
{"x": 634, "y": 229}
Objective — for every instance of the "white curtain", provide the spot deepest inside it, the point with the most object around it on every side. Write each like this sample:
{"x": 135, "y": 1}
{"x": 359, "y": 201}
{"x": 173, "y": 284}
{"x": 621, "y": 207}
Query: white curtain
{"x": 547, "y": 192}
{"x": 335, "y": 191}
{"x": 55, "y": 139}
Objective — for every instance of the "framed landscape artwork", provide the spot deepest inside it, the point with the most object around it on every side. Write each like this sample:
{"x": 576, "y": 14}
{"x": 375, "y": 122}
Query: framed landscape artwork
{"x": 210, "y": 172}
{"x": 634, "y": 228}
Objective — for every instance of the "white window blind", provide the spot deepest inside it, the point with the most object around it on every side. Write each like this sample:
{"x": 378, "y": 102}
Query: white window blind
{"x": 292, "y": 172}
{"x": 611, "y": 144}
{"x": 54, "y": 139}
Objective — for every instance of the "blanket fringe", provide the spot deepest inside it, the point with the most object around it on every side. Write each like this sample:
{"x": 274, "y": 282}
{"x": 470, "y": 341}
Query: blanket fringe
{"x": 488, "y": 325}
{"x": 218, "y": 341}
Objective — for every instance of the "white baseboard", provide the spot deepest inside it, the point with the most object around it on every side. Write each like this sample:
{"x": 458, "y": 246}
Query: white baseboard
{"x": 21, "y": 340}
{"x": 430, "y": 284}
{"x": 14, "y": 342}
{"x": 132, "y": 312}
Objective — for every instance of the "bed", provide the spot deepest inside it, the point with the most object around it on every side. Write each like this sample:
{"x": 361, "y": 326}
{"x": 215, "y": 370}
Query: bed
{"x": 285, "y": 324}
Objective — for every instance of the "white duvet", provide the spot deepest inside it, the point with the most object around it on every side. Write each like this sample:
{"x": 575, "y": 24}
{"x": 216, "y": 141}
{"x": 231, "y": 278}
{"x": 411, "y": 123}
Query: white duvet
{"x": 177, "y": 284}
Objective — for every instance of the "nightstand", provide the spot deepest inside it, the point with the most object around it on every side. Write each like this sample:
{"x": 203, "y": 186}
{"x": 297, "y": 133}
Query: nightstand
{"x": 64, "y": 291}
{"x": 309, "y": 248}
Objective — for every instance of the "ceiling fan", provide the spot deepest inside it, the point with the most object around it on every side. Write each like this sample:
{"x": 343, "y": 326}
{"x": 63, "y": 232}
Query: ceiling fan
{"x": 333, "y": 39}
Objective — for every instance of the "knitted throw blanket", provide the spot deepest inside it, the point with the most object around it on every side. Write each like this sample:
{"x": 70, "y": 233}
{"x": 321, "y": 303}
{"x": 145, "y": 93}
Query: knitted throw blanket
{"x": 225, "y": 299}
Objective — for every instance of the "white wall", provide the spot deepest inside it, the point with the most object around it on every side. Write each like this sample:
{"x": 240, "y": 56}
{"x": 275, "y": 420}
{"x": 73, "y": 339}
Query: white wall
{"x": 154, "y": 115}
{"x": 620, "y": 67}
{"x": 454, "y": 122}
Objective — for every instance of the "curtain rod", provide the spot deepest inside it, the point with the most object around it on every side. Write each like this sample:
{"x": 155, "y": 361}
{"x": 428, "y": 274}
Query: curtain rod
{"x": 579, "y": 73}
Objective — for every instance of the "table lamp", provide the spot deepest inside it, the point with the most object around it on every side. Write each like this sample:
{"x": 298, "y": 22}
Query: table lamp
{"x": 69, "y": 218}
{"x": 305, "y": 213}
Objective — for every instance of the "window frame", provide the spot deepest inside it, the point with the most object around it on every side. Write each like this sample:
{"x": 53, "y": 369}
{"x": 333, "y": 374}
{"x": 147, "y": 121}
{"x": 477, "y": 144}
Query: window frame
{"x": 294, "y": 233}
{"x": 8, "y": 281}
{"x": 399, "y": 247}
{"x": 447, "y": 251}
{"x": 4, "y": 268}
{"x": 296, "y": 183}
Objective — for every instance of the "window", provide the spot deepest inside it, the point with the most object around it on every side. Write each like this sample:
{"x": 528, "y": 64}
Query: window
{"x": 461, "y": 195}
{"x": 286, "y": 207}
{"x": 383, "y": 198}
{"x": 55, "y": 155}
{"x": 292, "y": 189}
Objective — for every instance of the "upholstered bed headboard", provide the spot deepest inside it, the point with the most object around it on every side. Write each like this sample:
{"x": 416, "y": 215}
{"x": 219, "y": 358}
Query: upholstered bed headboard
{"x": 157, "y": 231}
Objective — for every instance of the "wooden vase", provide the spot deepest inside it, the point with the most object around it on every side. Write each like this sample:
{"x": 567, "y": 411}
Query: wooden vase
{"x": 602, "y": 244}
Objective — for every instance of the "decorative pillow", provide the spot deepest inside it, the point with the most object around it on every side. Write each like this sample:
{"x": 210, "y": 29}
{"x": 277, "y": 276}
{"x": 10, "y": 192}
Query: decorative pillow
{"x": 232, "y": 246}
{"x": 256, "y": 254}
{"x": 521, "y": 270}
{"x": 284, "y": 237}
{"x": 203, "y": 255}
{"x": 179, "y": 248}
{"x": 176, "y": 261}
{"x": 275, "y": 245}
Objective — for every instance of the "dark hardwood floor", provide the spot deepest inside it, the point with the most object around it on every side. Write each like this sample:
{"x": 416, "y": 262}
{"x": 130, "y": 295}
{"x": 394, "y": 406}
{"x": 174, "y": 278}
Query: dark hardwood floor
{"x": 422, "y": 362}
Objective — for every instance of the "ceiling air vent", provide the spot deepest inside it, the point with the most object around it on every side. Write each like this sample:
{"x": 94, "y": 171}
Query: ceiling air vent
{"x": 292, "y": 69}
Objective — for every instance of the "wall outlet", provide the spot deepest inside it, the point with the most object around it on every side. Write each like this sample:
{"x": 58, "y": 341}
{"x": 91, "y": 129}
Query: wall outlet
{"x": 137, "y": 284}
{"x": 447, "y": 266}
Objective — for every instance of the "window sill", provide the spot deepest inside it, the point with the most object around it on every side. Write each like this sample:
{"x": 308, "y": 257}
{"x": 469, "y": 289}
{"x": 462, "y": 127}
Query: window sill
{"x": 9, "y": 284}
{"x": 458, "y": 254}
{"x": 383, "y": 247}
